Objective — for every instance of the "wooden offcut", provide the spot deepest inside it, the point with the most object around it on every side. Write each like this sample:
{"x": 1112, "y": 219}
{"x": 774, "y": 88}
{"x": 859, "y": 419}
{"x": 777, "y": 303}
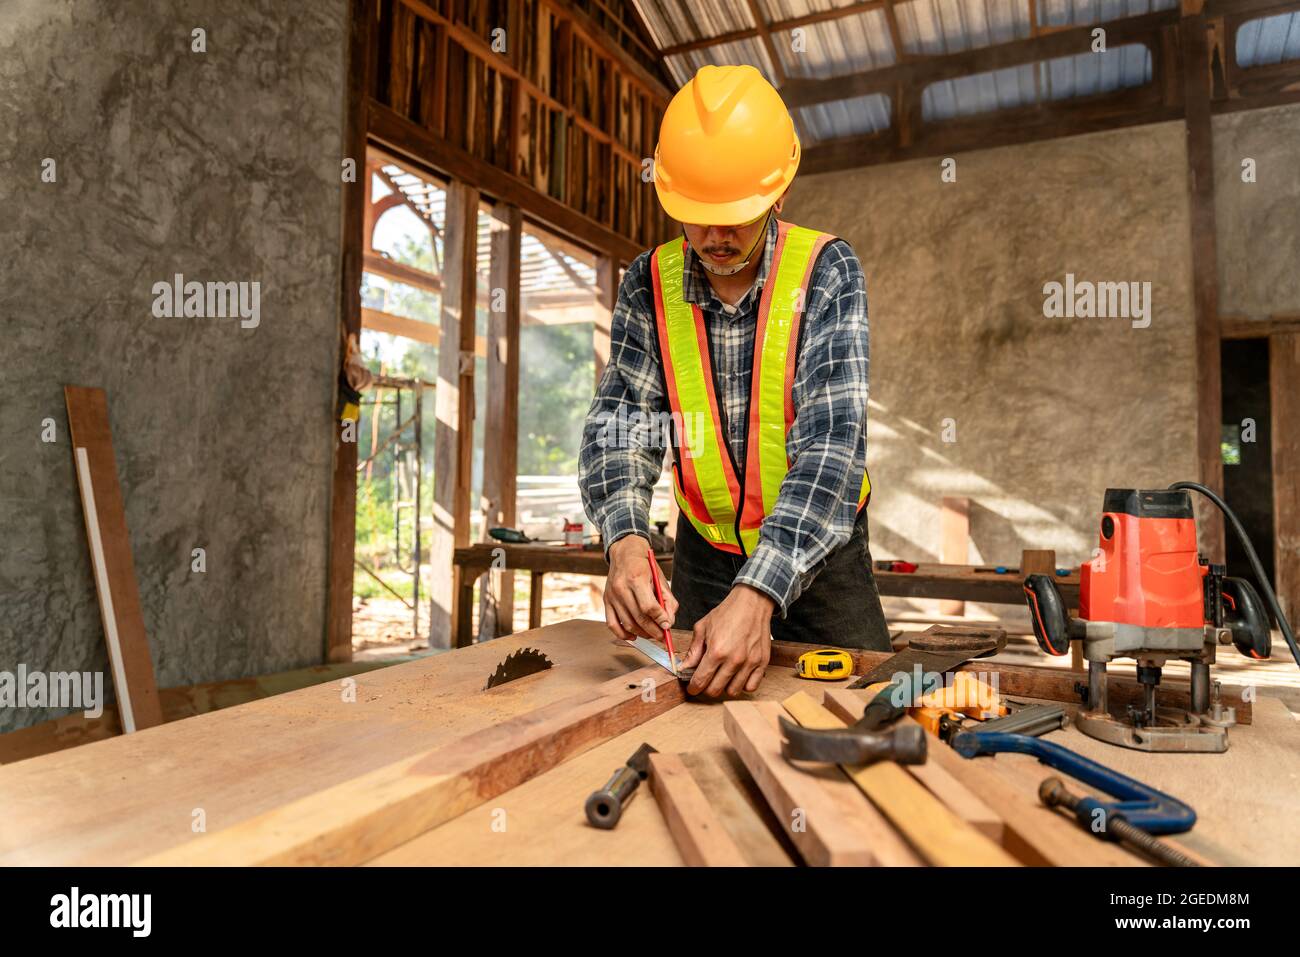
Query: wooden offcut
{"x": 819, "y": 809}
{"x": 955, "y": 544}
{"x": 110, "y": 558}
{"x": 357, "y": 820}
{"x": 938, "y": 834}
{"x": 1034, "y": 834}
{"x": 453, "y": 443}
{"x": 696, "y": 829}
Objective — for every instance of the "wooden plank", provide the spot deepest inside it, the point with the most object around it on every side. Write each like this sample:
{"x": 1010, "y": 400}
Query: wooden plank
{"x": 932, "y": 580}
{"x": 541, "y": 823}
{"x": 848, "y": 707}
{"x": 185, "y": 701}
{"x": 417, "y": 145}
{"x": 1283, "y": 375}
{"x": 606, "y": 297}
{"x": 954, "y": 549}
{"x": 1034, "y": 834}
{"x": 1205, "y": 280}
{"x": 819, "y": 809}
{"x": 940, "y": 836}
{"x": 454, "y": 400}
{"x": 535, "y": 600}
{"x": 733, "y": 795}
{"x": 1257, "y": 328}
{"x": 698, "y": 832}
{"x": 1051, "y": 684}
{"x": 357, "y": 820}
{"x": 343, "y": 493}
{"x": 501, "y": 428}
{"x": 110, "y": 558}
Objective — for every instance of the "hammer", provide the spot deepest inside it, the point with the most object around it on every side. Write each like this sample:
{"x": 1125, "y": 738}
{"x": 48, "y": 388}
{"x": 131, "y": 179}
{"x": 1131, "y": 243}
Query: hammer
{"x": 905, "y": 744}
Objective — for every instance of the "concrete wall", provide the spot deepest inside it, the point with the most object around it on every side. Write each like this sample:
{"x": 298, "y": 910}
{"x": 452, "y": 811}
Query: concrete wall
{"x": 1047, "y": 412}
{"x": 222, "y": 166}
{"x": 1256, "y": 222}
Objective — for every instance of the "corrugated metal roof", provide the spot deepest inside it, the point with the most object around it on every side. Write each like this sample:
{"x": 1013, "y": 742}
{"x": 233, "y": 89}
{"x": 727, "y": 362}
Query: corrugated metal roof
{"x": 1082, "y": 74}
{"x": 672, "y": 23}
{"x": 1061, "y": 13}
{"x": 934, "y": 27}
{"x": 861, "y": 42}
{"x": 862, "y": 114}
{"x": 1269, "y": 40}
{"x": 683, "y": 66}
{"x": 847, "y": 45}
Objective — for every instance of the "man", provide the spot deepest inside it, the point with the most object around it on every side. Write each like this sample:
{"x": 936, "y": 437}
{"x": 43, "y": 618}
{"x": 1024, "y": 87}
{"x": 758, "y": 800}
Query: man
{"x": 750, "y": 336}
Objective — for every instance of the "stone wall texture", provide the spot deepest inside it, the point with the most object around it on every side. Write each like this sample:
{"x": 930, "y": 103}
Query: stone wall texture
{"x": 221, "y": 166}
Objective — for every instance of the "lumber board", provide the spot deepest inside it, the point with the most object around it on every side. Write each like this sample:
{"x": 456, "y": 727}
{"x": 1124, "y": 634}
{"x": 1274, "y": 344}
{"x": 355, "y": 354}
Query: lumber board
{"x": 185, "y": 701}
{"x": 955, "y": 542}
{"x": 819, "y": 809}
{"x": 541, "y": 822}
{"x": 1034, "y": 834}
{"x": 968, "y": 806}
{"x": 1051, "y": 684}
{"x": 738, "y": 802}
{"x": 359, "y": 819}
{"x": 102, "y": 506}
{"x": 939, "y": 835}
{"x": 697, "y": 830}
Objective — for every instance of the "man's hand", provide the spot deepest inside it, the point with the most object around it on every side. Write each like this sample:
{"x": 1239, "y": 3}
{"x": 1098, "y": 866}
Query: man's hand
{"x": 732, "y": 646}
{"x": 631, "y": 608}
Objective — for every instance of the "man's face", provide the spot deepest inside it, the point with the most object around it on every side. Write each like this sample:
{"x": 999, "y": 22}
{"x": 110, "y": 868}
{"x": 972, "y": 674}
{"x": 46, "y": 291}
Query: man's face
{"x": 724, "y": 245}
{"x": 728, "y": 245}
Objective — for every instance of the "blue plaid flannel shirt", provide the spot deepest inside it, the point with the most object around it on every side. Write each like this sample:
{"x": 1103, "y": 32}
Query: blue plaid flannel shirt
{"x": 827, "y": 444}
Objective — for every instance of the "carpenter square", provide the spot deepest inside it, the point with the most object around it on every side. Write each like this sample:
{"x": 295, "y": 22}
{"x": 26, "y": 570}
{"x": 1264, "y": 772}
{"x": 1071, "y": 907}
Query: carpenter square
{"x": 660, "y": 657}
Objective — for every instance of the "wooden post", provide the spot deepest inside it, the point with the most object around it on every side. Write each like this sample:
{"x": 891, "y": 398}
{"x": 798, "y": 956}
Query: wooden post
{"x": 955, "y": 547}
{"x": 501, "y": 430}
{"x": 343, "y": 498}
{"x": 1283, "y": 374}
{"x": 454, "y": 437}
{"x": 1205, "y": 274}
{"x": 606, "y": 297}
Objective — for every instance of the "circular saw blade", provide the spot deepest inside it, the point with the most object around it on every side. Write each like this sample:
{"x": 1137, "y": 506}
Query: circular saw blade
{"x": 517, "y": 664}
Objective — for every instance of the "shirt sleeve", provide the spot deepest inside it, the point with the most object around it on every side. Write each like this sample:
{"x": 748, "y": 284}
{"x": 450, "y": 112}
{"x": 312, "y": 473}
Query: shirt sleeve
{"x": 817, "y": 504}
{"x": 623, "y": 439}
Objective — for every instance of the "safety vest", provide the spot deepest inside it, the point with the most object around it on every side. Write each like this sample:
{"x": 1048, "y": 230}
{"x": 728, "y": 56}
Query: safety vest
{"x": 727, "y": 504}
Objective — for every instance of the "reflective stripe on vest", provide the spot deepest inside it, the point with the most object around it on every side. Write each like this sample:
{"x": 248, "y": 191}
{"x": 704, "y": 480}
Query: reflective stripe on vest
{"x": 705, "y": 482}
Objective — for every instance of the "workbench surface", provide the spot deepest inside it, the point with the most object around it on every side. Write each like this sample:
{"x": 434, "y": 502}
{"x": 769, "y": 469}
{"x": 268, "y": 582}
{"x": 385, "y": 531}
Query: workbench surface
{"x": 116, "y": 801}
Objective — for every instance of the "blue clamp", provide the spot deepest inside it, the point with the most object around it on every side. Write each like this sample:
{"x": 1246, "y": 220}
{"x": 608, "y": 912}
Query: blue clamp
{"x": 1142, "y": 806}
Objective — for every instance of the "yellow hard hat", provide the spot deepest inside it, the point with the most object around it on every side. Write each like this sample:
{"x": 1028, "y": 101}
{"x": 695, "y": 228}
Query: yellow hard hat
{"x": 727, "y": 148}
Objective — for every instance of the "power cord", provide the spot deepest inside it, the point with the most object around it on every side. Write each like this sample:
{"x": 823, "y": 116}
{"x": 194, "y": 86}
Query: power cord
{"x": 1254, "y": 561}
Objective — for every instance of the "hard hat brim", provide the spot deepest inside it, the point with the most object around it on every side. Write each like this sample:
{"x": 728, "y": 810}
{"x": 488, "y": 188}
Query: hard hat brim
{"x": 695, "y": 213}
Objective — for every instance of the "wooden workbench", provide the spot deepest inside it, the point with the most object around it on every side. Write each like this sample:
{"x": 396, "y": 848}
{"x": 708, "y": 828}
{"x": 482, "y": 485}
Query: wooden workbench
{"x": 116, "y": 801}
{"x": 930, "y": 580}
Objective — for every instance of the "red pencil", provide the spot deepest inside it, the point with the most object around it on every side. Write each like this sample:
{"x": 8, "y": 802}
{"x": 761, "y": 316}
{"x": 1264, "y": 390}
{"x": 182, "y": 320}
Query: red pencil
{"x": 659, "y": 596}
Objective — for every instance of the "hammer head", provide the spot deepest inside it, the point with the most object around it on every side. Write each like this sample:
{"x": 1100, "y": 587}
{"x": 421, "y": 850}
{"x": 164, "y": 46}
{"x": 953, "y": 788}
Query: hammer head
{"x": 904, "y": 744}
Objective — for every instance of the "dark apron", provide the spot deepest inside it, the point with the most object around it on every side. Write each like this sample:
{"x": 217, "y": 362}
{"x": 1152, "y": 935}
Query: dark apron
{"x": 840, "y": 609}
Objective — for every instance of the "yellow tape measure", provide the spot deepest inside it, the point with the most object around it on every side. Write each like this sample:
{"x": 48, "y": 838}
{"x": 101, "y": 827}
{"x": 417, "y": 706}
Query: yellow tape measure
{"x": 826, "y": 664}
